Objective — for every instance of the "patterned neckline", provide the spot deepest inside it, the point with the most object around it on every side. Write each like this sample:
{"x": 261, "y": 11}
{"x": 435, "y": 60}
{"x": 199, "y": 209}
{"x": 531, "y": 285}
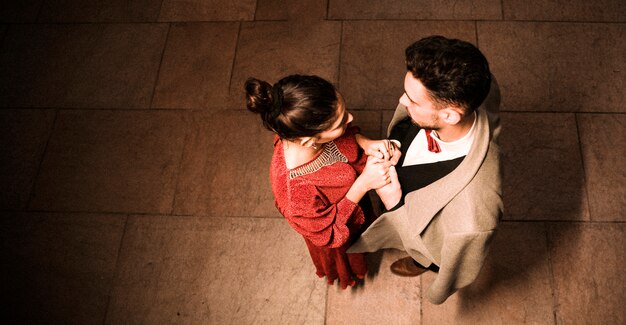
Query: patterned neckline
{"x": 329, "y": 156}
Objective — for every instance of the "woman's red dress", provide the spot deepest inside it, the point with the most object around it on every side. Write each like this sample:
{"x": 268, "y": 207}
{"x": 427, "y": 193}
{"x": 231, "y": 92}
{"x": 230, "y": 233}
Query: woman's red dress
{"x": 312, "y": 199}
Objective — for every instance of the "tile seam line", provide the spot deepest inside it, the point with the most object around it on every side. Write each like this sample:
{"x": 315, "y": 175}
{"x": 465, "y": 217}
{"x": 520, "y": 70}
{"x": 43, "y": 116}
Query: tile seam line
{"x": 218, "y": 109}
{"x": 61, "y": 23}
{"x": 484, "y": 20}
{"x": 327, "y": 16}
{"x": 562, "y": 112}
{"x": 108, "y": 213}
{"x": 553, "y": 288}
{"x": 286, "y": 20}
{"x": 476, "y": 34}
{"x": 91, "y": 23}
{"x": 585, "y": 168}
{"x": 341, "y": 32}
{"x": 326, "y": 306}
{"x": 137, "y": 213}
{"x": 256, "y": 8}
{"x": 115, "y": 272}
{"x": 31, "y": 195}
{"x": 158, "y": 74}
{"x": 39, "y": 11}
{"x": 573, "y": 222}
{"x": 87, "y": 109}
{"x": 160, "y": 10}
{"x": 232, "y": 65}
{"x": 179, "y": 171}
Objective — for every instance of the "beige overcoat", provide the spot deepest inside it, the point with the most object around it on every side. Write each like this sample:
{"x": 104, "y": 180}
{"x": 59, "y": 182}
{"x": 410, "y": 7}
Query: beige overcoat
{"x": 451, "y": 221}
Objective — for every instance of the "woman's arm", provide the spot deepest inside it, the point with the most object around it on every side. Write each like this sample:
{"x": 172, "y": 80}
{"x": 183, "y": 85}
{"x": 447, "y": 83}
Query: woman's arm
{"x": 323, "y": 222}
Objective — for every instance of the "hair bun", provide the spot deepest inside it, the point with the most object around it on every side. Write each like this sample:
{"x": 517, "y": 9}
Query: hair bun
{"x": 259, "y": 97}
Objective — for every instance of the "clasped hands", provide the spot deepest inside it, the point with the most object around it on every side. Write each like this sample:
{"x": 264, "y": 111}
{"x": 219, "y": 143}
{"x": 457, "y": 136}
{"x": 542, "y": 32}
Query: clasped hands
{"x": 383, "y": 155}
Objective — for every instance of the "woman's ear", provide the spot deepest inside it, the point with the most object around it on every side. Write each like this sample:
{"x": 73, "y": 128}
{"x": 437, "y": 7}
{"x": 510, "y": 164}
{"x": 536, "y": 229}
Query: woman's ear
{"x": 307, "y": 141}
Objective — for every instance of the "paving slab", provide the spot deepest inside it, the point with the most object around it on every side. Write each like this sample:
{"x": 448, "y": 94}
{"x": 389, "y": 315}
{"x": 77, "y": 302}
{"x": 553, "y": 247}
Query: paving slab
{"x": 543, "y": 175}
{"x": 587, "y": 259}
{"x": 564, "y": 67}
{"x": 513, "y": 287}
{"x": 215, "y": 271}
{"x": 111, "y": 161}
{"x": 207, "y": 10}
{"x": 58, "y": 268}
{"x": 80, "y": 66}
{"x": 603, "y": 150}
{"x": 196, "y": 67}
{"x": 24, "y": 134}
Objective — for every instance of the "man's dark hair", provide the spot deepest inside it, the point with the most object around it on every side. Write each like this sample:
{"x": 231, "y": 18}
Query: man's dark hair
{"x": 453, "y": 71}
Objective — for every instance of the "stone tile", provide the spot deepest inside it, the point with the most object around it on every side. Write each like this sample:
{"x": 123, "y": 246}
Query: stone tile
{"x": 588, "y": 263}
{"x": 215, "y": 271}
{"x": 562, "y": 10}
{"x": 368, "y": 122}
{"x": 60, "y": 268}
{"x": 225, "y": 166}
{"x": 408, "y": 9}
{"x": 112, "y": 161}
{"x": 207, "y": 10}
{"x": 372, "y": 57}
{"x": 88, "y": 65}
{"x": 100, "y": 11}
{"x": 513, "y": 286}
{"x": 382, "y": 298}
{"x": 197, "y": 64}
{"x": 19, "y": 11}
{"x": 543, "y": 173}
{"x": 304, "y": 10}
{"x": 570, "y": 67}
{"x": 23, "y": 138}
{"x": 272, "y": 50}
{"x": 603, "y": 149}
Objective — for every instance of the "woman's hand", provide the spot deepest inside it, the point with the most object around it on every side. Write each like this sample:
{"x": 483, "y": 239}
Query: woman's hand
{"x": 391, "y": 193}
{"x": 376, "y": 173}
{"x": 381, "y": 149}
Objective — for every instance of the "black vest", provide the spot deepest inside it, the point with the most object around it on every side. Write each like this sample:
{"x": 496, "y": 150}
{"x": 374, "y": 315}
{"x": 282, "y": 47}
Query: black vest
{"x": 415, "y": 177}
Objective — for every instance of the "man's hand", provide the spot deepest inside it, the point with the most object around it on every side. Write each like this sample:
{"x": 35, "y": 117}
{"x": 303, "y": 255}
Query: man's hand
{"x": 391, "y": 193}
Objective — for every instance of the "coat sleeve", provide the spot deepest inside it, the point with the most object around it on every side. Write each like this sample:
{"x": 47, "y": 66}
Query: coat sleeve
{"x": 322, "y": 222}
{"x": 462, "y": 257}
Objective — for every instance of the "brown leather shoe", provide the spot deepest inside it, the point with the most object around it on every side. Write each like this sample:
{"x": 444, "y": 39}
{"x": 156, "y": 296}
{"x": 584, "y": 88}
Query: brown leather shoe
{"x": 407, "y": 267}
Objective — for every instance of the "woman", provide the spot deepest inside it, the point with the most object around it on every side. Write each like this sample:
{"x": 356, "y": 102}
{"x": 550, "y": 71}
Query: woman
{"x": 319, "y": 170}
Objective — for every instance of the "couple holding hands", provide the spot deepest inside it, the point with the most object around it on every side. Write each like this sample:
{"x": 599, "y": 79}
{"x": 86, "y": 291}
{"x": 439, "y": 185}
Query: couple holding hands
{"x": 437, "y": 174}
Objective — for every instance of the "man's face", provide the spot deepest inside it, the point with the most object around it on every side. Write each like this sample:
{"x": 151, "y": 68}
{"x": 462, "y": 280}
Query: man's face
{"x": 421, "y": 108}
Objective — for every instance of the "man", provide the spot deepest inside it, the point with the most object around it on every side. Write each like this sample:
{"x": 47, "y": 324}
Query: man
{"x": 448, "y": 208}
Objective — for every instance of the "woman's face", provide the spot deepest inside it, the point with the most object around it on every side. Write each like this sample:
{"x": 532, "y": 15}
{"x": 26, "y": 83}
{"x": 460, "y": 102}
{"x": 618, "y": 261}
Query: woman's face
{"x": 342, "y": 119}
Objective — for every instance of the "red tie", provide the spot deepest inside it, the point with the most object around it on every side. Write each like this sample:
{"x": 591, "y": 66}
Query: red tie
{"x": 433, "y": 146}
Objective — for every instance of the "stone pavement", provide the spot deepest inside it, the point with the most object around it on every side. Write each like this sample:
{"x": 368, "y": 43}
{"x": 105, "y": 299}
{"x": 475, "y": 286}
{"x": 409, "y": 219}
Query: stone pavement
{"x": 134, "y": 184}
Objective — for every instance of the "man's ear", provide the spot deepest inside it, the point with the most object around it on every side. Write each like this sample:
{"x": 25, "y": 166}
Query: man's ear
{"x": 450, "y": 115}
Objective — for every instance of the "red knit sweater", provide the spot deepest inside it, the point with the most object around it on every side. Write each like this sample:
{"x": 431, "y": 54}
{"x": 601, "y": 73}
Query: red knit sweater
{"x": 312, "y": 199}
